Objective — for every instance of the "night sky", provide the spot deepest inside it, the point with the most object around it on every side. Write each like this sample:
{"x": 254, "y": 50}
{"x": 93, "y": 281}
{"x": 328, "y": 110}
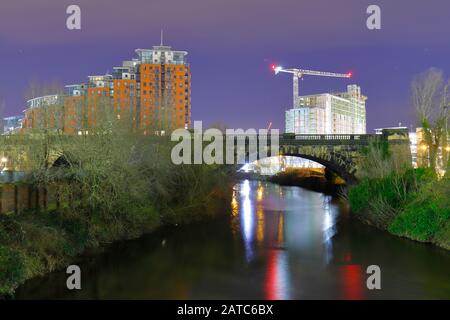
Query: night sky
{"x": 231, "y": 45}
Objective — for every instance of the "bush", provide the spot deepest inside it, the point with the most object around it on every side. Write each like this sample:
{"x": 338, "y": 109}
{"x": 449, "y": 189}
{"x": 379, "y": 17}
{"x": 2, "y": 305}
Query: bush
{"x": 115, "y": 184}
{"x": 420, "y": 220}
{"x": 427, "y": 216}
{"x": 12, "y": 269}
{"x": 359, "y": 196}
{"x": 378, "y": 201}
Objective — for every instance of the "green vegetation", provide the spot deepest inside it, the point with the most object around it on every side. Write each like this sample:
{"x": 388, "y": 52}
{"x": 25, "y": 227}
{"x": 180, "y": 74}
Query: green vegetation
{"x": 427, "y": 217}
{"x": 407, "y": 202}
{"x": 113, "y": 183}
{"x": 412, "y": 203}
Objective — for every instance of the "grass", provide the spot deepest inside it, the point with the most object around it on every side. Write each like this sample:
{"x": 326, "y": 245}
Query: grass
{"x": 427, "y": 217}
{"x": 410, "y": 203}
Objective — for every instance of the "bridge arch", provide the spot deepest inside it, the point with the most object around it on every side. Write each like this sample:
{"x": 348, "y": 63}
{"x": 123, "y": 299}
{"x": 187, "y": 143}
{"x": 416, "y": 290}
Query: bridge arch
{"x": 345, "y": 172}
{"x": 343, "y": 160}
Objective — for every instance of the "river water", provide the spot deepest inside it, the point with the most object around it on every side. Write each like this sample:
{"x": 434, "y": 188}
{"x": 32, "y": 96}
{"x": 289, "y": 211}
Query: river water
{"x": 275, "y": 242}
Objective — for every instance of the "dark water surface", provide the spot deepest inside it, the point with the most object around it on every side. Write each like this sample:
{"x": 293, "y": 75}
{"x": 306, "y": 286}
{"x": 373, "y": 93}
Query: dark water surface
{"x": 276, "y": 243}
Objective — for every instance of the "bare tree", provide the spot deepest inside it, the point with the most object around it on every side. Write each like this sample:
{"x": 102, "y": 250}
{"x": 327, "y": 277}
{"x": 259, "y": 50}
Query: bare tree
{"x": 38, "y": 88}
{"x": 2, "y": 110}
{"x": 429, "y": 98}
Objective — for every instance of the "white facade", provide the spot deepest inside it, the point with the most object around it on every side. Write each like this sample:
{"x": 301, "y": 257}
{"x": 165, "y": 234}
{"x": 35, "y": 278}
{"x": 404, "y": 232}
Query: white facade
{"x": 339, "y": 113}
{"x": 11, "y": 124}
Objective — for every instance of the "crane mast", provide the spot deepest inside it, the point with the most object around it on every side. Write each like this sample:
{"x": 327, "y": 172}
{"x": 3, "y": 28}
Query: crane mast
{"x": 299, "y": 73}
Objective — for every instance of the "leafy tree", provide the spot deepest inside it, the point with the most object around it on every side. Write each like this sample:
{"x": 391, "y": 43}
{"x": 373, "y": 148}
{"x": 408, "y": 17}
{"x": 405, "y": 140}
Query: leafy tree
{"x": 430, "y": 101}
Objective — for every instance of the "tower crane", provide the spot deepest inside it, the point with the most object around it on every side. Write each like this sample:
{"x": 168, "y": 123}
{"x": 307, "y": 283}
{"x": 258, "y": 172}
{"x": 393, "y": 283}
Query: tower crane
{"x": 299, "y": 73}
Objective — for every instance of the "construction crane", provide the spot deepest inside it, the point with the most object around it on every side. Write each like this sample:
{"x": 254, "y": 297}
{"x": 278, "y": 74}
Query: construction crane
{"x": 299, "y": 73}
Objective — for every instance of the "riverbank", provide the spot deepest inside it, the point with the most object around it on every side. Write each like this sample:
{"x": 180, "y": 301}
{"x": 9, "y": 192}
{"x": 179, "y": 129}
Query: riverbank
{"x": 314, "y": 180}
{"x": 277, "y": 242}
{"x": 409, "y": 203}
{"x": 112, "y": 184}
{"x": 35, "y": 243}
{"x": 413, "y": 204}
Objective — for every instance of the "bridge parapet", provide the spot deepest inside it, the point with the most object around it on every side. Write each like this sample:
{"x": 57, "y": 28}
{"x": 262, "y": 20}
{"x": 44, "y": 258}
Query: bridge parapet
{"x": 330, "y": 139}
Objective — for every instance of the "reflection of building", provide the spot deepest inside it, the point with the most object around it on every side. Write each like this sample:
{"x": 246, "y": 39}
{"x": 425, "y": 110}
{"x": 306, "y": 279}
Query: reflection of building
{"x": 152, "y": 91}
{"x": 11, "y": 124}
{"x": 329, "y": 113}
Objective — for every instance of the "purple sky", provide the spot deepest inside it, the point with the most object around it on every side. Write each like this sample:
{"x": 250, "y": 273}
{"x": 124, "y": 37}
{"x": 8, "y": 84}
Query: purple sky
{"x": 231, "y": 44}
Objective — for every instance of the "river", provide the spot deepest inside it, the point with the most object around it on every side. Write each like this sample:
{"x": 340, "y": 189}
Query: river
{"x": 277, "y": 242}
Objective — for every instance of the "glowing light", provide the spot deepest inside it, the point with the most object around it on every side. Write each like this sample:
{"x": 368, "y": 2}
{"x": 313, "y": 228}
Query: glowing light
{"x": 352, "y": 282}
{"x": 277, "y": 276}
{"x": 260, "y": 224}
{"x": 245, "y": 189}
{"x": 424, "y": 147}
{"x": 260, "y": 193}
{"x": 234, "y": 205}
{"x": 349, "y": 75}
{"x": 447, "y": 148}
{"x": 4, "y": 160}
{"x": 276, "y": 68}
{"x": 246, "y": 168}
{"x": 247, "y": 221}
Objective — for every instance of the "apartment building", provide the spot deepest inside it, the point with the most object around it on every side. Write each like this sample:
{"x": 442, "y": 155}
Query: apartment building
{"x": 151, "y": 91}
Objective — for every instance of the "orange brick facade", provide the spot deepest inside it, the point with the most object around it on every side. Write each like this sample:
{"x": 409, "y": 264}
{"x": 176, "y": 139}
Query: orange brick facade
{"x": 152, "y": 91}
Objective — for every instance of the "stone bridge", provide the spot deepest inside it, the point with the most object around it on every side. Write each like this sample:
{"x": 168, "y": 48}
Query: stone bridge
{"x": 340, "y": 153}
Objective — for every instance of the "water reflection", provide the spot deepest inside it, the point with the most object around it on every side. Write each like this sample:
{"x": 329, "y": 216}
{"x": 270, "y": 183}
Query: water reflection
{"x": 277, "y": 282}
{"x": 285, "y": 225}
{"x": 247, "y": 219}
{"x": 277, "y": 243}
{"x": 329, "y": 230}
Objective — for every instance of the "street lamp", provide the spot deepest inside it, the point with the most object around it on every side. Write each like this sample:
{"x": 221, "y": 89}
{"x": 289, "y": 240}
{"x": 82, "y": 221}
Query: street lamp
{"x": 3, "y": 161}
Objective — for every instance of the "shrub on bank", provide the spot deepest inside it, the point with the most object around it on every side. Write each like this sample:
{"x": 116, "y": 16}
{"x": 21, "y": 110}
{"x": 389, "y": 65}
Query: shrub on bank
{"x": 378, "y": 200}
{"x": 427, "y": 217}
{"x": 120, "y": 186}
{"x": 12, "y": 269}
{"x": 412, "y": 203}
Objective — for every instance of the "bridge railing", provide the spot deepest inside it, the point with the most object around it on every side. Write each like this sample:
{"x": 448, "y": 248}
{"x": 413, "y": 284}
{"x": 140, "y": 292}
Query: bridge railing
{"x": 323, "y": 139}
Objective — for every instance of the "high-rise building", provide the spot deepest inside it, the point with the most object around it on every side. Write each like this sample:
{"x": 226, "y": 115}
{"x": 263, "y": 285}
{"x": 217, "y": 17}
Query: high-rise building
{"x": 151, "y": 91}
{"x": 11, "y": 124}
{"x": 326, "y": 113}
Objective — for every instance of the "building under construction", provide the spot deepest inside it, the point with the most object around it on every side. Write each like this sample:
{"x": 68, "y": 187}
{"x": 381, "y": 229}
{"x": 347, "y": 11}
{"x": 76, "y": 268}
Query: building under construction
{"x": 326, "y": 113}
{"x": 329, "y": 113}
